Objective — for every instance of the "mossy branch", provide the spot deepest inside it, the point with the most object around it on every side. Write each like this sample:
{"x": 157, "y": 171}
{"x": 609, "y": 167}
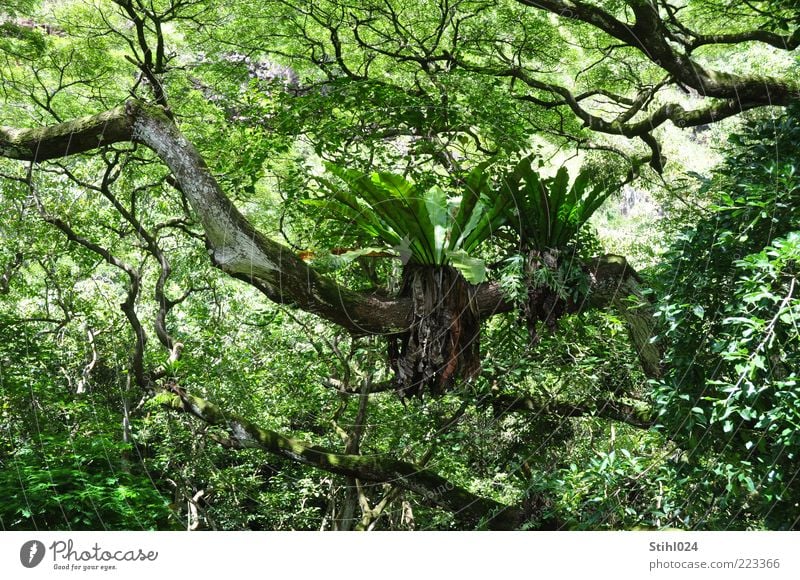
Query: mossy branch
{"x": 469, "y": 509}
{"x": 237, "y": 247}
{"x": 636, "y": 413}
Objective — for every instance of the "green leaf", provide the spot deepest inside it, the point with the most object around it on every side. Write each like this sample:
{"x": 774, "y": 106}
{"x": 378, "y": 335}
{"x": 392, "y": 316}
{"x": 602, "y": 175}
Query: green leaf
{"x": 475, "y": 186}
{"x": 473, "y": 269}
{"x": 436, "y": 204}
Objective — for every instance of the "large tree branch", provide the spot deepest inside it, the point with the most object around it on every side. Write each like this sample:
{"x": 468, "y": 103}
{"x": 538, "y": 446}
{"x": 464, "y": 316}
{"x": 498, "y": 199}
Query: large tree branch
{"x": 589, "y": 14}
{"x": 636, "y": 415}
{"x": 648, "y": 33}
{"x": 671, "y": 51}
{"x": 783, "y": 42}
{"x": 235, "y": 245}
{"x": 624, "y": 124}
{"x": 75, "y": 136}
{"x": 469, "y": 509}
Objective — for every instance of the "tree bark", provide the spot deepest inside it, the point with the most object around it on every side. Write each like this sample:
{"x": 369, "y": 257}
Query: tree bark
{"x": 237, "y": 248}
{"x": 640, "y": 416}
{"x": 469, "y": 509}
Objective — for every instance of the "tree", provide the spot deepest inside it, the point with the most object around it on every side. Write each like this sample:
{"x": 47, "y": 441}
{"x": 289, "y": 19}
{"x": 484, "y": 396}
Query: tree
{"x": 112, "y": 100}
{"x": 732, "y": 329}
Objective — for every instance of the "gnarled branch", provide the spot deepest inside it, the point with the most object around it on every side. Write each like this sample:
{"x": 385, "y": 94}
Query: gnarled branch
{"x": 640, "y": 416}
{"x": 468, "y": 508}
{"x": 237, "y": 248}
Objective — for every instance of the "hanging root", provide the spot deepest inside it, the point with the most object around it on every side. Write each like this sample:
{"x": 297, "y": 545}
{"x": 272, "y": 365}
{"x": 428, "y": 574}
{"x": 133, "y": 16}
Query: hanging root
{"x": 442, "y": 344}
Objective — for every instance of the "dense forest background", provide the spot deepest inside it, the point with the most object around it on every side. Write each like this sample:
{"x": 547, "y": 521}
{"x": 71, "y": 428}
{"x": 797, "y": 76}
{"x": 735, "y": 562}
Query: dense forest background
{"x": 399, "y": 264}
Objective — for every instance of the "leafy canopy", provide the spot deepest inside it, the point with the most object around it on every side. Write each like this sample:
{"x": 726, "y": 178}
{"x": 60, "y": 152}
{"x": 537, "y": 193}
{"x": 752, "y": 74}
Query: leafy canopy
{"x": 732, "y": 386}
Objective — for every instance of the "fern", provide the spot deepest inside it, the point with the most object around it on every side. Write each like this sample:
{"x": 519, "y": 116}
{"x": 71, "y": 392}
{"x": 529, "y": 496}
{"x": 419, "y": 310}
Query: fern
{"x": 548, "y": 213}
{"x": 434, "y": 230}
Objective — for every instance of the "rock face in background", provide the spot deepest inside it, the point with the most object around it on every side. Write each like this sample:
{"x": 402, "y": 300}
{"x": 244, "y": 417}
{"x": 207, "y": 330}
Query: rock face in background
{"x": 638, "y": 202}
{"x": 32, "y": 25}
{"x": 625, "y": 226}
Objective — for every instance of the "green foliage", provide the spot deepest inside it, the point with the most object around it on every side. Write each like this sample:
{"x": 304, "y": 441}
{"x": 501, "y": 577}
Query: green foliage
{"x": 424, "y": 92}
{"x": 15, "y": 39}
{"x": 617, "y": 488}
{"x": 91, "y": 487}
{"x": 421, "y": 224}
{"x": 64, "y": 463}
{"x": 730, "y": 320}
{"x": 548, "y": 213}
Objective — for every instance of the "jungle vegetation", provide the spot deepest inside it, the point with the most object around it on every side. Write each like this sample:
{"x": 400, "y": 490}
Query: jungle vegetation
{"x": 399, "y": 264}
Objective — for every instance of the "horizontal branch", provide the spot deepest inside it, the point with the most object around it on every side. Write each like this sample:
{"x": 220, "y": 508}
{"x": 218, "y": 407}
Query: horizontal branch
{"x": 783, "y": 42}
{"x": 368, "y": 389}
{"x": 639, "y": 415}
{"x": 75, "y": 136}
{"x": 675, "y": 113}
{"x": 468, "y": 508}
{"x": 235, "y": 246}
